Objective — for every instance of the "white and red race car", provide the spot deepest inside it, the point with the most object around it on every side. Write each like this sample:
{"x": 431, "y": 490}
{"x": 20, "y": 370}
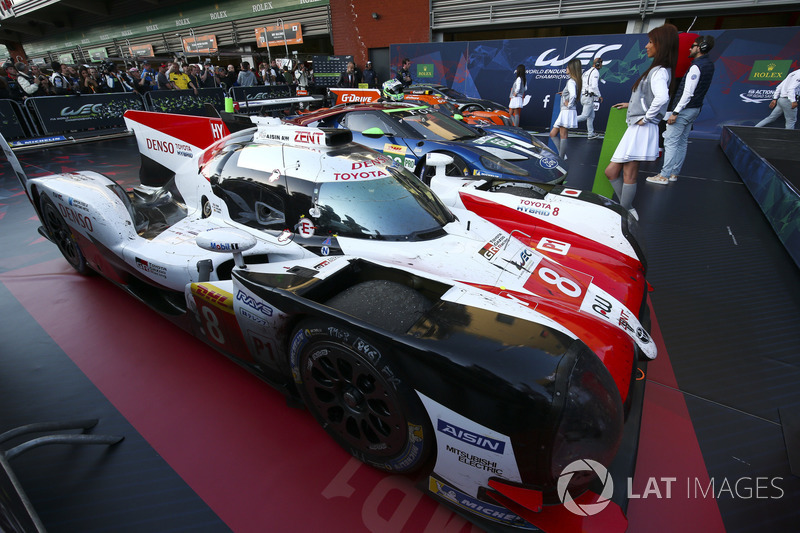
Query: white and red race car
{"x": 422, "y": 337}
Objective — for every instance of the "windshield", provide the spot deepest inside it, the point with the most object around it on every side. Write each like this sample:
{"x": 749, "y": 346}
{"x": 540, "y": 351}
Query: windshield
{"x": 434, "y": 126}
{"x": 452, "y": 93}
{"x": 398, "y": 207}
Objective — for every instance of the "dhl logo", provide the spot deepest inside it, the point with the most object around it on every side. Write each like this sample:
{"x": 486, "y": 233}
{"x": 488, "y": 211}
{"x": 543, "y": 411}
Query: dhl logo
{"x": 394, "y": 149}
{"x": 213, "y": 295}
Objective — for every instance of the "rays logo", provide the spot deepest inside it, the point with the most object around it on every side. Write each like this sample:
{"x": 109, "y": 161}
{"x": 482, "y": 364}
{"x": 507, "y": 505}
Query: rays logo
{"x": 585, "y": 53}
{"x": 586, "y": 509}
{"x": 548, "y": 162}
{"x": 251, "y": 302}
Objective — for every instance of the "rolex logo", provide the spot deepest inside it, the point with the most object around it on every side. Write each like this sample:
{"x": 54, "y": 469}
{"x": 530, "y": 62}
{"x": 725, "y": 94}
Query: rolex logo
{"x": 770, "y": 67}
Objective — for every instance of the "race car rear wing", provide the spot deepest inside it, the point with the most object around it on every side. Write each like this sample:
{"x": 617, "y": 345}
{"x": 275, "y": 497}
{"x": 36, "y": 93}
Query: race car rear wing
{"x": 170, "y": 143}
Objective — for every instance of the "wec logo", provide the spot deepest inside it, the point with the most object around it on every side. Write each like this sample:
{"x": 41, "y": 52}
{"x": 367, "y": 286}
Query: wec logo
{"x": 86, "y": 109}
{"x": 585, "y": 53}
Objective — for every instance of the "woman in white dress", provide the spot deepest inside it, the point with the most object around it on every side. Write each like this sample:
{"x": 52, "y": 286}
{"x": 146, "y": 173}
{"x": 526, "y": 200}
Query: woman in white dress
{"x": 517, "y": 96}
{"x": 646, "y": 108}
{"x": 568, "y": 117}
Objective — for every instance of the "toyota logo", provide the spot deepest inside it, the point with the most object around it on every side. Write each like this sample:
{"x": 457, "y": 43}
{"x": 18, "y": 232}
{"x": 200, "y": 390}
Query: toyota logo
{"x": 586, "y": 509}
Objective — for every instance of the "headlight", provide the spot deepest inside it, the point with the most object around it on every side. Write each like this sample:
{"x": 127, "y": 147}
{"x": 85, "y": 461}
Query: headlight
{"x": 495, "y": 164}
{"x": 541, "y": 145}
{"x": 591, "y": 421}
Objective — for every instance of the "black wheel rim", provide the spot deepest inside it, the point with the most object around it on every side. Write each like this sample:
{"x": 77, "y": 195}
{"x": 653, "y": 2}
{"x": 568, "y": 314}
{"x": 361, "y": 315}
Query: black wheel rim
{"x": 61, "y": 234}
{"x": 354, "y": 400}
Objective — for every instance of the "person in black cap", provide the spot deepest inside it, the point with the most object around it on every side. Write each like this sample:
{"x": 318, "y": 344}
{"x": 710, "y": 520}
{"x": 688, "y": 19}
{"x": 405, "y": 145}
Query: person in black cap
{"x": 11, "y": 80}
{"x": 369, "y": 76}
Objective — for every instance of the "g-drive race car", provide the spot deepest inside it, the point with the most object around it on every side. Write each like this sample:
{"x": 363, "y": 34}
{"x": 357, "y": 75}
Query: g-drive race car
{"x": 423, "y": 338}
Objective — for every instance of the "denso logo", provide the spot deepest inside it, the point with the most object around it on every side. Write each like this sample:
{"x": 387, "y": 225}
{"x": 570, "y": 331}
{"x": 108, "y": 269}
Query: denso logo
{"x": 308, "y": 137}
{"x": 160, "y": 146}
{"x": 473, "y": 439}
{"x": 350, "y": 98}
{"x": 252, "y": 303}
{"x": 585, "y": 53}
{"x": 86, "y": 109}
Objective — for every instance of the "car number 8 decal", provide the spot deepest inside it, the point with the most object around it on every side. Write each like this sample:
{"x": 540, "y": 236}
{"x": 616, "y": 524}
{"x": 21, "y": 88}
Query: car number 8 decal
{"x": 564, "y": 284}
{"x": 212, "y": 325}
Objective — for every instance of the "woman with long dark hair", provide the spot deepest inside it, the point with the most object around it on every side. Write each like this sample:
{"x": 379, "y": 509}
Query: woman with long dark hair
{"x": 646, "y": 108}
{"x": 568, "y": 117}
{"x": 517, "y": 95}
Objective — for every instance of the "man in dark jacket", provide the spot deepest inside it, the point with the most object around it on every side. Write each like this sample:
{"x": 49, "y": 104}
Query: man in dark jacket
{"x": 369, "y": 76}
{"x": 348, "y": 78}
{"x": 692, "y": 90}
{"x": 404, "y": 74}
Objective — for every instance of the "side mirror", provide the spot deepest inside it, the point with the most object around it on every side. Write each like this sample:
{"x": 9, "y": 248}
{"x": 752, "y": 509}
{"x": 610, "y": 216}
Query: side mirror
{"x": 373, "y": 132}
{"x": 227, "y": 240}
{"x": 458, "y": 117}
{"x": 439, "y": 162}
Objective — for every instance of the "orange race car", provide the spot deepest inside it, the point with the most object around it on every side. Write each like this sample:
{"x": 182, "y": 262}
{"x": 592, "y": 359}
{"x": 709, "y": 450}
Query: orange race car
{"x": 470, "y": 113}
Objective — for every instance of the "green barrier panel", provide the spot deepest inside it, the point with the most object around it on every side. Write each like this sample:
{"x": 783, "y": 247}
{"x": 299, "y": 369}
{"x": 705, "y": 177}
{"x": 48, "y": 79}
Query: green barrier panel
{"x": 614, "y": 131}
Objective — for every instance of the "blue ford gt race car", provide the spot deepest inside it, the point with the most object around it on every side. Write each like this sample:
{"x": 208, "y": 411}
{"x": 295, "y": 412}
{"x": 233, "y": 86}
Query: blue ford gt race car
{"x": 408, "y": 132}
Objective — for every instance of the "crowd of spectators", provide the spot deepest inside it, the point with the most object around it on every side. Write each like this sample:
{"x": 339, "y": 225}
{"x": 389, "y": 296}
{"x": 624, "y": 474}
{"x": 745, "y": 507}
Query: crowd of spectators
{"x": 19, "y": 81}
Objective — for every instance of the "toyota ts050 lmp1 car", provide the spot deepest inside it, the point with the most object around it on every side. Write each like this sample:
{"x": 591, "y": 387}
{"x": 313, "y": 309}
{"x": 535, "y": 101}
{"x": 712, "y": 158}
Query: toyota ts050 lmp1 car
{"x": 580, "y": 229}
{"x": 408, "y": 132}
{"x": 423, "y": 338}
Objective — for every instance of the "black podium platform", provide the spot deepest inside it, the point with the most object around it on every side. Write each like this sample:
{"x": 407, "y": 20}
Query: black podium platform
{"x": 768, "y": 161}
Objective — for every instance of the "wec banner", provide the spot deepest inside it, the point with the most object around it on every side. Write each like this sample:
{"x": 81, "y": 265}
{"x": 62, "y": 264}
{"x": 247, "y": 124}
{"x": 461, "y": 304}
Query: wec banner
{"x": 749, "y": 65}
{"x": 9, "y": 122}
{"x": 185, "y": 102}
{"x": 60, "y": 114}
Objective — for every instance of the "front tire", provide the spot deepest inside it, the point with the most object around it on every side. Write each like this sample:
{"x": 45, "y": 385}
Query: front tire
{"x": 62, "y": 236}
{"x": 351, "y": 387}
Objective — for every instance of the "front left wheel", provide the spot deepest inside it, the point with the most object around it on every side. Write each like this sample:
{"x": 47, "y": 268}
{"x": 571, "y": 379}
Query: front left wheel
{"x": 353, "y": 390}
{"x": 62, "y": 236}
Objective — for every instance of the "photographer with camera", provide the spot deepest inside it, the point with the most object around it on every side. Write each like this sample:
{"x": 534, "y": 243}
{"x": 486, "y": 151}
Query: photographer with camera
{"x": 112, "y": 81}
{"x": 45, "y": 87}
{"x": 28, "y": 84}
